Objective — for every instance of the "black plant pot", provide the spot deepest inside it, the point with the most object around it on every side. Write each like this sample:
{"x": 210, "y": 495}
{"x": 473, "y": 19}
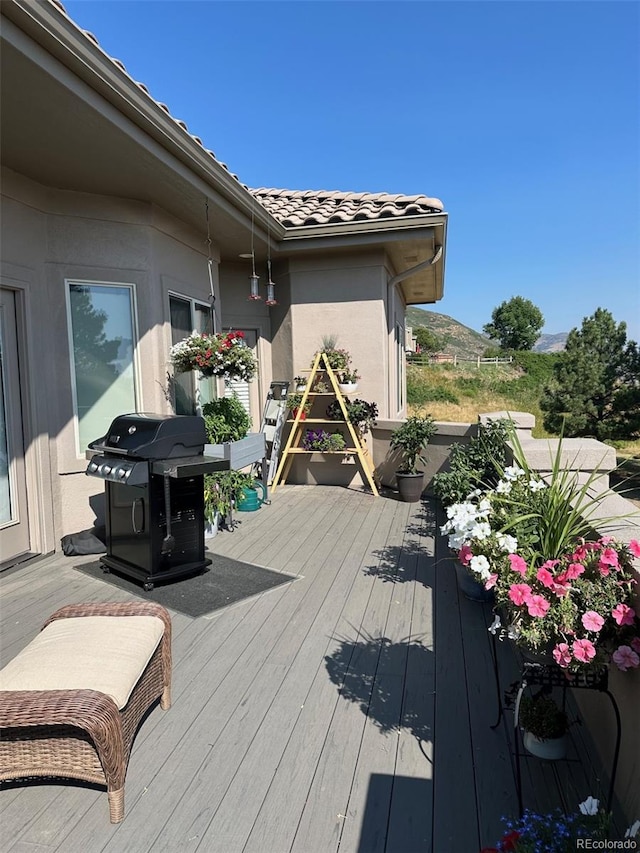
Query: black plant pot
{"x": 410, "y": 486}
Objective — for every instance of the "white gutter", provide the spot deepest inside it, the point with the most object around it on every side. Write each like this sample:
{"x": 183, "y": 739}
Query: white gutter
{"x": 401, "y": 276}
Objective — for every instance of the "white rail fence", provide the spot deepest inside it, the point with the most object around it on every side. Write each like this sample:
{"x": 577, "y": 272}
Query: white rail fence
{"x": 424, "y": 359}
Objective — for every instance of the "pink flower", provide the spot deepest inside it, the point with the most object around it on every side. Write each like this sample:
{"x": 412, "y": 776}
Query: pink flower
{"x": 574, "y": 571}
{"x": 465, "y": 554}
{"x": 625, "y": 658}
{"x": 491, "y": 581}
{"x": 537, "y": 605}
{"x": 592, "y": 621}
{"x": 519, "y": 593}
{"x": 635, "y": 644}
{"x": 580, "y": 553}
{"x": 583, "y": 650}
{"x": 623, "y": 614}
{"x": 562, "y": 655}
{"x": 550, "y": 564}
{"x": 609, "y": 557}
{"x": 545, "y": 577}
{"x": 518, "y": 564}
{"x": 634, "y": 547}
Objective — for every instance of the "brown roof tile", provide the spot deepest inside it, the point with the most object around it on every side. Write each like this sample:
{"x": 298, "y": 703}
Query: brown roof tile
{"x": 295, "y": 208}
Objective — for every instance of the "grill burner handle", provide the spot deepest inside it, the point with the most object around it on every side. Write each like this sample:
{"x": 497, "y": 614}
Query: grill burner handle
{"x": 169, "y": 542}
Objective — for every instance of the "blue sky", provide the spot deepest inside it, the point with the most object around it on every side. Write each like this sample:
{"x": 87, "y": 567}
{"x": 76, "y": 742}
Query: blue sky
{"x": 523, "y": 117}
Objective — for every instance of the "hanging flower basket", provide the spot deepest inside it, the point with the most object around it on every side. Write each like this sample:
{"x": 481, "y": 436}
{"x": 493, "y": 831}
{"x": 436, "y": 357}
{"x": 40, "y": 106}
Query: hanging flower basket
{"x": 224, "y": 355}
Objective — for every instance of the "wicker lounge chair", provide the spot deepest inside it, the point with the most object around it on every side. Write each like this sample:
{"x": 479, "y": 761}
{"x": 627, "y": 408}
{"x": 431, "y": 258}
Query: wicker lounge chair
{"x": 81, "y": 733}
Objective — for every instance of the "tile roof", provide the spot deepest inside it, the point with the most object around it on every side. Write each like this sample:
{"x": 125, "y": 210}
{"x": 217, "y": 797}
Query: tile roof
{"x": 295, "y": 208}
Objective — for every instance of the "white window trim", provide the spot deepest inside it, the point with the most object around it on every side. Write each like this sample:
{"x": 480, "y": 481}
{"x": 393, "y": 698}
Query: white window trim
{"x": 137, "y": 383}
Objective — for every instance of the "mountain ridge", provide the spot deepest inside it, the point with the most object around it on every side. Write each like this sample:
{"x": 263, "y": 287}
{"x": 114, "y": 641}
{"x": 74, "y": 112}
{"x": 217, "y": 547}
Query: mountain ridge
{"x": 464, "y": 341}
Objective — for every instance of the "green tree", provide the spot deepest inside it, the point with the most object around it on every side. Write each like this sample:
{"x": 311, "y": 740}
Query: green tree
{"x": 427, "y": 341}
{"x": 595, "y": 390}
{"x": 516, "y": 324}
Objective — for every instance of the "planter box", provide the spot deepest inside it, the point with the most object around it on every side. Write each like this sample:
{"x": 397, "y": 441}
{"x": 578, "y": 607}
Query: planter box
{"x": 240, "y": 453}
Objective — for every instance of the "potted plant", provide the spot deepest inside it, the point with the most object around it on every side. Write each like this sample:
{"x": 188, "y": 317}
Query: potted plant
{"x": 348, "y": 380}
{"x": 410, "y": 439}
{"x": 544, "y": 726}
{"x": 361, "y": 414}
{"x": 225, "y": 419}
{"x": 322, "y": 441}
{"x": 221, "y": 492}
{"x": 563, "y": 591}
{"x": 294, "y": 404}
{"x": 224, "y": 354}
{"x": 300, "y": 383}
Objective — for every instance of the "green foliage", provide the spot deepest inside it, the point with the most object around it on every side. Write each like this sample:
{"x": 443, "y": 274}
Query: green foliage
{"x": 473, "y": 465}
{"x": 427, "y": 340}
{"x": 222, "y": 490}
{"x": 540, "y": 715}
{"x": 595, "y": 389}
{"x": 538, "y": 366}
{"x": 516, "y": 324}
{"x": 359, "y": 412}
{"x": 225, "y": 419}
{"x": 411, "y": 438}
{"x": 469, "y": 385}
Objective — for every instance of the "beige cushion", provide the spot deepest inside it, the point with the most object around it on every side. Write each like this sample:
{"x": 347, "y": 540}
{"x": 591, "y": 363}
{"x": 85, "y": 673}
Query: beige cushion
{"x": 105, "y": 653}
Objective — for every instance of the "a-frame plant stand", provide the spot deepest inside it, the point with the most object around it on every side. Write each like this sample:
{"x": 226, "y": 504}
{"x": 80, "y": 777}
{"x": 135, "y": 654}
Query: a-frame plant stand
{"x": 354, "y": 445}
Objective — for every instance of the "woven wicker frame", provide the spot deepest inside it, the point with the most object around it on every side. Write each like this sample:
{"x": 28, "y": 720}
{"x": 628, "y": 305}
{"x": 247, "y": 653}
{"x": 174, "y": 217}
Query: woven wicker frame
{"x": 81, "y": 734}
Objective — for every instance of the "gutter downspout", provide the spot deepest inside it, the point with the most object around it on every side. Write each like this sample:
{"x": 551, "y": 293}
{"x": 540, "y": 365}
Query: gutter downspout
{"x": 401, "y": 276}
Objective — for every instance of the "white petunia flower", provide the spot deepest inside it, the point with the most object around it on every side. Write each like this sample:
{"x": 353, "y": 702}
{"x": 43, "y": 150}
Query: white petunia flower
{"x": 495, "y": 625}
{"x": 633, "y": 830}
{"x": 512, "y": 472}
{"x": 480, "y": 565}
{"x": 590, "y": 806}
{"x": 507, "y": 543}
{"x": 481, "y": 531}
{"x": 503, "y": 487}
{"x": 537, "y": 485}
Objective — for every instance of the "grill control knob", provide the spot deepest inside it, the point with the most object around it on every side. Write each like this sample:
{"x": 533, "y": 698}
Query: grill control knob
{"x": 93, "y": 466}
{"x": 121, "y": 472}
{"x": 105, "y": 470}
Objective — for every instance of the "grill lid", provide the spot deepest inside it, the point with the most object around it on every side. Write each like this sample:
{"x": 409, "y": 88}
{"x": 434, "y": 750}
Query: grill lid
{"x": 148, "y": 436}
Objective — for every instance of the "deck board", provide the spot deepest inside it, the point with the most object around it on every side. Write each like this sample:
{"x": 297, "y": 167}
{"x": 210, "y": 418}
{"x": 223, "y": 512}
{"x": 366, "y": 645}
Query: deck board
{"x": 348, "y": 710}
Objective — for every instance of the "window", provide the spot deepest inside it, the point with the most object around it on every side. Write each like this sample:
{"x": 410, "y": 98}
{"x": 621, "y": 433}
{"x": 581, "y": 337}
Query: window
{"x": 102, "y": 343}
{"x": 189, "y": 316}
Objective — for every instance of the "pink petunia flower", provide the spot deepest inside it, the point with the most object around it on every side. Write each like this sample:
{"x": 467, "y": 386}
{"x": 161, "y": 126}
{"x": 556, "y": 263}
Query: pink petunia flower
{"x": 491, "y": 581}
{"x": 583, "y": 650}
{"x": 545, "y": 577}
{"x": 519, "y": 593}
{"x": 537, "y": 605}
{"x": 574, "y": 571}
{"x": 562, "y": 655}
{"x": 580, "y": 553}
{"x": 634, "y": 547}
{"x": 518, "y": 564}
{"x": 623, "y": 614}
{"x": 550, "y": 564}
{"x": 465, "y": 554}
{"x": 609, "y": 557}
{"x": 625, "y": 658}
{"x": 592, "y": 621}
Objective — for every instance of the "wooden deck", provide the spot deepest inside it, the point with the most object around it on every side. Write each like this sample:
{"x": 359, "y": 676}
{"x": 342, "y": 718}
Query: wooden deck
{"x": 349, "y": 710}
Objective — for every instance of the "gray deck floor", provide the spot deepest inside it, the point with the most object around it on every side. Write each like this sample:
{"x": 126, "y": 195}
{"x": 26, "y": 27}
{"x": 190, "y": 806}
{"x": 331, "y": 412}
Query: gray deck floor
{"x": 348, "y": 711}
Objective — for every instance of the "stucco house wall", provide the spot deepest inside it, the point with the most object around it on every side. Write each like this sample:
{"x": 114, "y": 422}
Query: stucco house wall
{"x": 53, "y": 236}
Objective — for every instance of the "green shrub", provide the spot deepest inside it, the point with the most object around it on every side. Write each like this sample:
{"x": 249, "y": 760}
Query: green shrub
{"x": 225, "y": 420}
{"x": 473, "y": 465}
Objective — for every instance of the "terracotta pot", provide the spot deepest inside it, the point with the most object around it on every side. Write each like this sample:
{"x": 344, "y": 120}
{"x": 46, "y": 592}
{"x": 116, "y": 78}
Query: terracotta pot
{"x": 303, "y": 415}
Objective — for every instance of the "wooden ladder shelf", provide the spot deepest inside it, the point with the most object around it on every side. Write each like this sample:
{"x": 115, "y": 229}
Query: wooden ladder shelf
{"x": 355, "y": 448}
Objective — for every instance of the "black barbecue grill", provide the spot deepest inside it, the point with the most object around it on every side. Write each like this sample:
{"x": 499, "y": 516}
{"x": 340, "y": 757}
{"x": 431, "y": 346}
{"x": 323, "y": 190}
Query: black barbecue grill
{"x": 153, "y": 467}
